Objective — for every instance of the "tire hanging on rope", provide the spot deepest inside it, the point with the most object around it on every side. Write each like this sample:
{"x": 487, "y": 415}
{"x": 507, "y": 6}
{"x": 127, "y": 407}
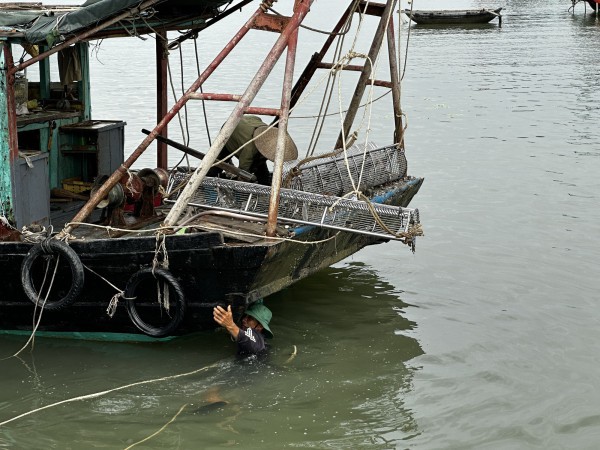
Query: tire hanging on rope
{"x": 58, "y": 249}
{"x": 175, "y": 312}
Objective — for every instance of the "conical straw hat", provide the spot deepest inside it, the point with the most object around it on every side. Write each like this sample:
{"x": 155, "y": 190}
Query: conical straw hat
{"x": 265, "y": 139}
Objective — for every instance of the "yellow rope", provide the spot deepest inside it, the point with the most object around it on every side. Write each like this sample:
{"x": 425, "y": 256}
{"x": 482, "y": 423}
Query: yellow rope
{"x": 413, "y": 231}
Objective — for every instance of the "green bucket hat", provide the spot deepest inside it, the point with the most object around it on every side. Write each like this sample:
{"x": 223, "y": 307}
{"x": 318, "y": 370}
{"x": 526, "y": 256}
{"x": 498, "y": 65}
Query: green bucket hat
{"x": 263, "y": 314}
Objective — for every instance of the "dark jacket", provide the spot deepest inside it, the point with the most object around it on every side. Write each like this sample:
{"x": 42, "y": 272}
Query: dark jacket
{"x": 250, "y": 159}
{"x": 250, "y": 342}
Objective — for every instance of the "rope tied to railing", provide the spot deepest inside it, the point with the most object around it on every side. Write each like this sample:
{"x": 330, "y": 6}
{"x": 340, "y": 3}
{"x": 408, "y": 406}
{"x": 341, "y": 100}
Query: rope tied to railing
{"x": 161, "y": 260}
{"x": 266, "y": 5}
{"x": 114, "y": 301}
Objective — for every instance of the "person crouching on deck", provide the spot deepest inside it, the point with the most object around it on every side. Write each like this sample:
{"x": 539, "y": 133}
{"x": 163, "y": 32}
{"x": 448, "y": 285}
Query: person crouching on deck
{"x": 250, "y": 338}
{"x": 253, "y": 155}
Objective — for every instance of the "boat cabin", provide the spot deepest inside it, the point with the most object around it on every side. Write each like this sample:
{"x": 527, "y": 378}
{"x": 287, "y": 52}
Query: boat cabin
{"x": 51, "y": 148}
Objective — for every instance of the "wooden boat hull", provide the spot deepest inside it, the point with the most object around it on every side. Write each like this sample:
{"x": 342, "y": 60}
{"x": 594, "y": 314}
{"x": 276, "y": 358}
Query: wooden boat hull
{"x": 209, "y": 271}
{"x": 451, "y": 17}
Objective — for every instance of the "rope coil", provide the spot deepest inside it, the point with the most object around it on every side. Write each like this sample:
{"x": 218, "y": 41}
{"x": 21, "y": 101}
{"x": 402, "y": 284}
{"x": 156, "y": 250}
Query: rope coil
{"x": 266, "y": 5}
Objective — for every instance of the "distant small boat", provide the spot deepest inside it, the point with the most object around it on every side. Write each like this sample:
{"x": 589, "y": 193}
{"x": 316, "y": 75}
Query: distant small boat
{"x": 446, "y": 17}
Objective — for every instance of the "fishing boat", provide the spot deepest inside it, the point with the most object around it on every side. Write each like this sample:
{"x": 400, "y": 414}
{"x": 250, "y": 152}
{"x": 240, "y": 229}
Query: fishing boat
{"x": 453, "y": 17}
{"x": 87, "y": 243}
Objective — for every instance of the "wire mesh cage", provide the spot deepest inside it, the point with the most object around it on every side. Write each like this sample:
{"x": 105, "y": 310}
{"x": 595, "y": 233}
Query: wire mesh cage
{"x": 306, "y": 208}
{"x": 363, "y": 166}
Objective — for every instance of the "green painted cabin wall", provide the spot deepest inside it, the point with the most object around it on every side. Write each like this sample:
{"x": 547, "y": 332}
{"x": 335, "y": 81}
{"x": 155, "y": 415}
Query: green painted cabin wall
{"x": 6, "y": 207}
{"x": 60, "y": 167}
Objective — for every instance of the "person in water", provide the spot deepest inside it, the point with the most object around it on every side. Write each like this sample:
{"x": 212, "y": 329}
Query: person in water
{"x": 250, "y": 337}
{"x": 258, "y": 144}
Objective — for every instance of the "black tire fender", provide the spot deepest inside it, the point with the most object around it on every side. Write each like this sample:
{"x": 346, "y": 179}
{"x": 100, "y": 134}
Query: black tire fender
{"x": 62, "y": 249}
{"x": 177, "y": 303}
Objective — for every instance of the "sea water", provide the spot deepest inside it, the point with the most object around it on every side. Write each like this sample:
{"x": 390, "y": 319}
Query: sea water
{"x": 486, "y": 337}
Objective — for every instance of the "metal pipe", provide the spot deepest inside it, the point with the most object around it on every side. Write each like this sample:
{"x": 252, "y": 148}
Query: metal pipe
{"x": 234, "y": 98}
{"x": 162, "y": 103}
{"x": 235, "y": 117}
{"x": 242, "y": 174}
{"x": 366, "y": 74}
{"x": 286, "y": 96}
{"x": 311, "y": 67}
{"x": 395, "y": 79}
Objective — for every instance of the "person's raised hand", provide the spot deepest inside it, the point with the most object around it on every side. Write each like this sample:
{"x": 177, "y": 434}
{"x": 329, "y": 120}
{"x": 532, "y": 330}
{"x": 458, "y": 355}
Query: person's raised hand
{"x": 224, "y": 317}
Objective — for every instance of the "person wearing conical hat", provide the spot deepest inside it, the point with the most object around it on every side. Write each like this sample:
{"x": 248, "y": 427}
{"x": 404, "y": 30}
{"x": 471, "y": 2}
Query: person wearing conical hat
{"x": 254, "y": 155}
{"x": 250, "y": 337}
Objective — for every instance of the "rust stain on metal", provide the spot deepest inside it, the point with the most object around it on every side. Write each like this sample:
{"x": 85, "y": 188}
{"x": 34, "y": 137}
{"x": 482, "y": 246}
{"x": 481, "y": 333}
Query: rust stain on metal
{"x": 269, "y": 22}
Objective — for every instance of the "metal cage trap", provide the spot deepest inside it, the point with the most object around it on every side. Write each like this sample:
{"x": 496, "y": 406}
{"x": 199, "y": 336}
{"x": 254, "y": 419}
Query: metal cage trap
{"x": 307, "y": 208}
{"x": 334, "y": 175}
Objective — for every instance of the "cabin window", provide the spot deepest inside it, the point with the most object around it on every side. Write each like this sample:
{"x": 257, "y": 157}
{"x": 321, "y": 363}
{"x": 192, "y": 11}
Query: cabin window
{"x": 44, "y": 85}
{"x": 29, "y": 141}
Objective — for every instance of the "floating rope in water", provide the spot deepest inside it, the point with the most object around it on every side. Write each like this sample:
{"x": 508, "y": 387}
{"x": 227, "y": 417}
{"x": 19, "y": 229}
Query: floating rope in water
{"x": 161, "y": 429}
{"x": 292, "y": 355}
{"x": 100, "y": 394}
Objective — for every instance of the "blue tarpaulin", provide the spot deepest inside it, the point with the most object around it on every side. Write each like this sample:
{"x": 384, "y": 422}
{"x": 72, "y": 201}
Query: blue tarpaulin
{"x": 50, "y": 25}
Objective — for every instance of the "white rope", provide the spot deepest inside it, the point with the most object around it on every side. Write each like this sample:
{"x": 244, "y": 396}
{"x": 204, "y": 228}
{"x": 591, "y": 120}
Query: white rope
{"x": 27, "y": 159}
{"x": 33, "y": 237}
{"x": 39, "y": 319}
{"x": 160, "y": 249}
{"x": 367, "y": 113}
{"x": 328, "y": 91}
{"x": 161, "y": 429}
{"x": 162, "y": 289}
{"x": 292, "y": 355}
{"x": 124, "y": 230}
{"x": 114, "y": 301}
{"x": 109, "y": 391}
{"x": 129, "y": 183}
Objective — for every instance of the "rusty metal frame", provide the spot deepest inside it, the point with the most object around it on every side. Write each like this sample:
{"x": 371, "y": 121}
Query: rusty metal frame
{"x": 288, "y": 29}
{"x": 162, "y": 104}
{"x": 316, "y": 62}
{"x": 386, "y": 14}
{"x": 301, "y": 9}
